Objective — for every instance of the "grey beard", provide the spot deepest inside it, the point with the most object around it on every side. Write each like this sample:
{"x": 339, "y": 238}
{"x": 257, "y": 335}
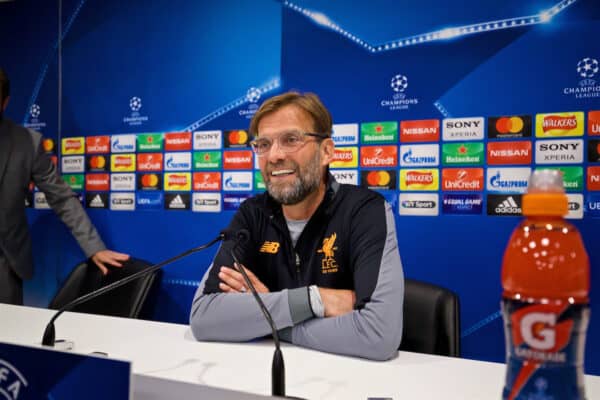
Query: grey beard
{"x": 307, "y": 182}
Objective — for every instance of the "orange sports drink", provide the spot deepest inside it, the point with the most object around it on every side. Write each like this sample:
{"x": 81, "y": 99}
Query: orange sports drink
{"x": 545, "y": 304}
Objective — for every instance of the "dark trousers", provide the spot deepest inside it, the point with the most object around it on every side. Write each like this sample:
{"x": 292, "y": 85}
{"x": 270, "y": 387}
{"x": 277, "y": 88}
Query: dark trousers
{"x": 11, "y": 286}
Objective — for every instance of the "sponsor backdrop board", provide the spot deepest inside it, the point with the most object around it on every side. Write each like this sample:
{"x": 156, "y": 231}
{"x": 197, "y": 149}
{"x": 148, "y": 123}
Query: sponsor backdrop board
{"x": 443, "y": 122}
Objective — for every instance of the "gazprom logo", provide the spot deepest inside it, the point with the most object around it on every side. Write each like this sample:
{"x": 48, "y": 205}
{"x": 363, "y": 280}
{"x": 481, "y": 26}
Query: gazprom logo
{"x": 178, "y": 161}
{"x": 237, "y": 181}
{"x": 508, "y": 179}
{"x": 419, "y": 155}
{"x": 345, "y": 134}
{"x": 122, "y": 143}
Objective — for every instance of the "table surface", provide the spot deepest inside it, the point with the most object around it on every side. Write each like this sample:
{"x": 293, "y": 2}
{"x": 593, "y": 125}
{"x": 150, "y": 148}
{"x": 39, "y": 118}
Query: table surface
{"x": 169, "y": 351}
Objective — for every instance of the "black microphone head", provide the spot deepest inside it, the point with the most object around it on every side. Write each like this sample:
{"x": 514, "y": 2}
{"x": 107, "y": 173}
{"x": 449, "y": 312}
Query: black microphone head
{"x": 228, "y": 234}
{"x": 242, "y": 236}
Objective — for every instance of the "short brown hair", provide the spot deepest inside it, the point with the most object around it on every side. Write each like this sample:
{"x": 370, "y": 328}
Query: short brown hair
{"x": 308, "y": 102}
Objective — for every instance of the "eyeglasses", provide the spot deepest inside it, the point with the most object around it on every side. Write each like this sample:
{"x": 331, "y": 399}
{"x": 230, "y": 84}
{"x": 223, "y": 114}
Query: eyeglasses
{"x": 288, "y": 142}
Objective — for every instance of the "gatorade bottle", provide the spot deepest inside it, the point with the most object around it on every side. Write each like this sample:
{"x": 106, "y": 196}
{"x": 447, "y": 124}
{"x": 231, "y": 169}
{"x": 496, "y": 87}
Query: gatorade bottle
{"x": 545, "y": 305}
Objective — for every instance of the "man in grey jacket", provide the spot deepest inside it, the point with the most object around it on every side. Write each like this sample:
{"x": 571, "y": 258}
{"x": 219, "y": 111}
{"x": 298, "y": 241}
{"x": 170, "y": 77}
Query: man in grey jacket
{"x": 22, "y": 160}
{"x": 323, "y": 256}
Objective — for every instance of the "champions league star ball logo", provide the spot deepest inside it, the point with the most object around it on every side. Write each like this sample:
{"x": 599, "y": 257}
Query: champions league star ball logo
{"x": 253, "y": 95}
{"x": 34, "y": 111}
{"x": 399, "y": 83}
{"x": 587, "y": 68}
{"x": 400, "y": 100}
{"x": 135, "y": 103}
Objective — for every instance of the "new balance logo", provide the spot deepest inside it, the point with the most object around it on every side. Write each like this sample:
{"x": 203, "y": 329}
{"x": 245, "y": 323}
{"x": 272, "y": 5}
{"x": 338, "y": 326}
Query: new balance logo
{"x": 269, "y": 247}
{"x": 177, "y": 202}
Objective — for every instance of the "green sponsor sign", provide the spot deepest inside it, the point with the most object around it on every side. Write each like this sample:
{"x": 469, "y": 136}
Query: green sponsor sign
{"x": 572, "y": 177}
{"x": 150, "y": 142}
{"x": 379, "y": 132}
{"x": 207, "y": 160}
{"x": 259, "y": 182}
{"x": 75, "y": 181}
{"x": 462, "y": 153}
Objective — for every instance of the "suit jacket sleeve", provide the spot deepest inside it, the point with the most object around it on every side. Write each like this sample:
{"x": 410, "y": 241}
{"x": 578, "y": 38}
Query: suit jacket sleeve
{"x": 63, "y": 200}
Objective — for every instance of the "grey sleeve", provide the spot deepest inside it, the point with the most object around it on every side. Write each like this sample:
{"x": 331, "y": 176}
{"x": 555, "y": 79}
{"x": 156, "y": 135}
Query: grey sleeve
{"x": 375, "y": 331}
{"x": 63, "y": 200}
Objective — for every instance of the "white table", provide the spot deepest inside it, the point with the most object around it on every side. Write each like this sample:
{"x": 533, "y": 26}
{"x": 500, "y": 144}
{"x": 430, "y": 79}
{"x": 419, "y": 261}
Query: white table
{"x": 169, "y": 351}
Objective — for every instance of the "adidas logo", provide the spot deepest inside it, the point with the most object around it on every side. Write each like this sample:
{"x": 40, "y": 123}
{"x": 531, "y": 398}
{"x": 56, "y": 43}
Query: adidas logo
{"x": 97, "y": 202}
{"x": 177, "y": 202}
{"x": 508, "y": 206}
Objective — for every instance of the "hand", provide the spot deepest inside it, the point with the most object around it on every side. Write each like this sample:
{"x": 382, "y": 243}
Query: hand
{"x": 108, "y": 257}
{"x": 233, "y": 281}
{"x": 337, "y": 301}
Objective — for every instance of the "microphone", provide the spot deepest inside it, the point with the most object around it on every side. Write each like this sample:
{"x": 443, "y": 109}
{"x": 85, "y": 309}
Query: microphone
{"x": 277, "y": 368}
{"x": 50, "y": 334}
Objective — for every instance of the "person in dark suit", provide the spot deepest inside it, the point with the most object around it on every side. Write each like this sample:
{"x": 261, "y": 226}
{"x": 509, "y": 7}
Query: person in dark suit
{"x": 22, "y": 160}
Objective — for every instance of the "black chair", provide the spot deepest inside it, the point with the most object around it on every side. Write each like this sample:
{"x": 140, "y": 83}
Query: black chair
{"x": 126, "y": 301}
{"x": 431, "y": 319}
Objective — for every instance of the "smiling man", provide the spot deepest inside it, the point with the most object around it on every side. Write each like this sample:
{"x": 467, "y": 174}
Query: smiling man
{"x": 323, "y": 255}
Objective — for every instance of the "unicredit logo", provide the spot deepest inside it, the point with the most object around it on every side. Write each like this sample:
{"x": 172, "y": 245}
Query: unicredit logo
{"x": 557, "y": 122}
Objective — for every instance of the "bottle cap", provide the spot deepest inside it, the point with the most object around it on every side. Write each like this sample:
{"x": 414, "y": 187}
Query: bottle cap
{"x": 545, "y": 194}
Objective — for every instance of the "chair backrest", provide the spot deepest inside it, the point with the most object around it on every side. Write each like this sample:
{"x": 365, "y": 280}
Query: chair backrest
{"x": 126, "y": 301}
{"x": 431, "y": 319}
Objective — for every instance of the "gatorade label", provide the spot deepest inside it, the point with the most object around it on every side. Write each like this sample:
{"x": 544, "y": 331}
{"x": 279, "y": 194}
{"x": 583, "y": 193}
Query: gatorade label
{"x": 545, "y": 355}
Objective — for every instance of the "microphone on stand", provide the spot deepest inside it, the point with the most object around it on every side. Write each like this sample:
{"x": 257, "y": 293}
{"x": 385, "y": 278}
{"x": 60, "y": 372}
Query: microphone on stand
{"x": 50, "y": 333}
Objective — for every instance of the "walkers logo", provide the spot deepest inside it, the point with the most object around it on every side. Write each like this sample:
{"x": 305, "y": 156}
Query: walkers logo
{"x": 559, "y": 151}
{"x": 379, "y": 180}
{"x": 96, "y": 200}
{"x": 40, "y": 202}
{"x": 462, "y": 153}
{"x": 97, "y": 144}
{"x": 572, "y": 177}
{"x": 177, "y": 201}
{"x": 149, "y": 201}
{"x": 259, "y": 181}
{"x": 181, "y": 181}
{"x": 241, "y": 159}
{"x": 208, "y": 140}
{"x": 575, "y": 206}
{"x": 269, "y": 247}
{"x": 345, "y": 134}
{"x": 506, "y": 153}
{"x": 509, "y": 127}
{"x": 73, "y": 145}
{"x": 379, "y": 132}
{"x": 464, "y": 204}
{"x": 419, "y": 179}
{"x": 508, "y": 179}
{"x": 97, "y": 182}
{"x": 96, "y": 163}
{"x": 462, "y": 179}
{"x": 328, "y": 263}
{"x": 425, "y": 130}
{"x": 178, "y": 161}
{"x": 559, "y": 124}
{"x": 122, "y": 143}
{"x": 420, "y": 155}
{"x": 207, "y": 160}
{"x": 237, "y": 181}
{"x": 178, "y": 141}
{"x": 379, "y": 156}
{"x": 72, "y": 164}
{"x": 422, "y": 204}
{"x": 346, "y": 176}
{"x": 504, "y": 205}
{"x": 151, "y": 182}
{"x": 594, "y": 150}
{"x": 345, "y": 157}
{"x": 586, "y": 69}
{"x": 236, "y": 138}
{"x": 122, "y": 162}
{"x": 122, "y": 182}
{"x": 150, "y": 142}
{"x": 150, "y": 162}
{"x": 207, "y": 181}
{"x": 48, "y": 145}
{"x": 593, "y": 178}
{"x": 232, "y": 202}
{"x": 206, "y": 202}
{"x": 463, "y": 128}
{"x": 593, "y": 123}
{"x": 75, "y": 182}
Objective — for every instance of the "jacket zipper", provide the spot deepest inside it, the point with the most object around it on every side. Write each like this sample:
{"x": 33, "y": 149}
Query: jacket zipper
{"x": 297, "y": 268}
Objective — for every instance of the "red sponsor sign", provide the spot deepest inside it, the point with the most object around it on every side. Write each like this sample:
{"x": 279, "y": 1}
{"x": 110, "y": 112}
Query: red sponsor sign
{"x": 343, "y": 155}
{"x": 594, "y": 123}
{"x": 425, "y": 130}
{"x": 72, "y": 145}
{"x": 504, "y": 153}
{"x": 97, "y": 144}
{"x": 593, "y": 178}
{"x": 559, "y": 122}
{"x": 462, "y": 179}
{"x": 419, "y": 178}
{"x": 379, "y": 156}
{"x": 241, "y": 159}
{"x": 175, "y": 141}
{"x": 150, "y": 162}
{"x": 97, "y": 182}
{"x": 175, "y": 181}
{"x": 207, "y": 181}
{"x": 123, "y": 162}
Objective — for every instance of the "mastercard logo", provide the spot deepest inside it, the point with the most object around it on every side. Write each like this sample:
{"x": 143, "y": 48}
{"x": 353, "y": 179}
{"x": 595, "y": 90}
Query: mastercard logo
{"x": 150, "y": 180}
{"x": 237, "y": 137}
{"x": 506, "y": 125}
{"x": 48, "y": 145}
{"x": 378, "y": 178}
{"x": 97, "y": 162}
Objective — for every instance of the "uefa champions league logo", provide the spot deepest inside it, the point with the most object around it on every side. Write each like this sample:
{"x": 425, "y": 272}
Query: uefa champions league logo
{"x": 399, "y": 101}
{"x": 135, "y": 103}
{"x": 135, "y": 119}
{"x": 587, "y": 67}
{"x": 34, "y": 111}
{"x": 253, "y": 95}
{"x": 399, "y": 83}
